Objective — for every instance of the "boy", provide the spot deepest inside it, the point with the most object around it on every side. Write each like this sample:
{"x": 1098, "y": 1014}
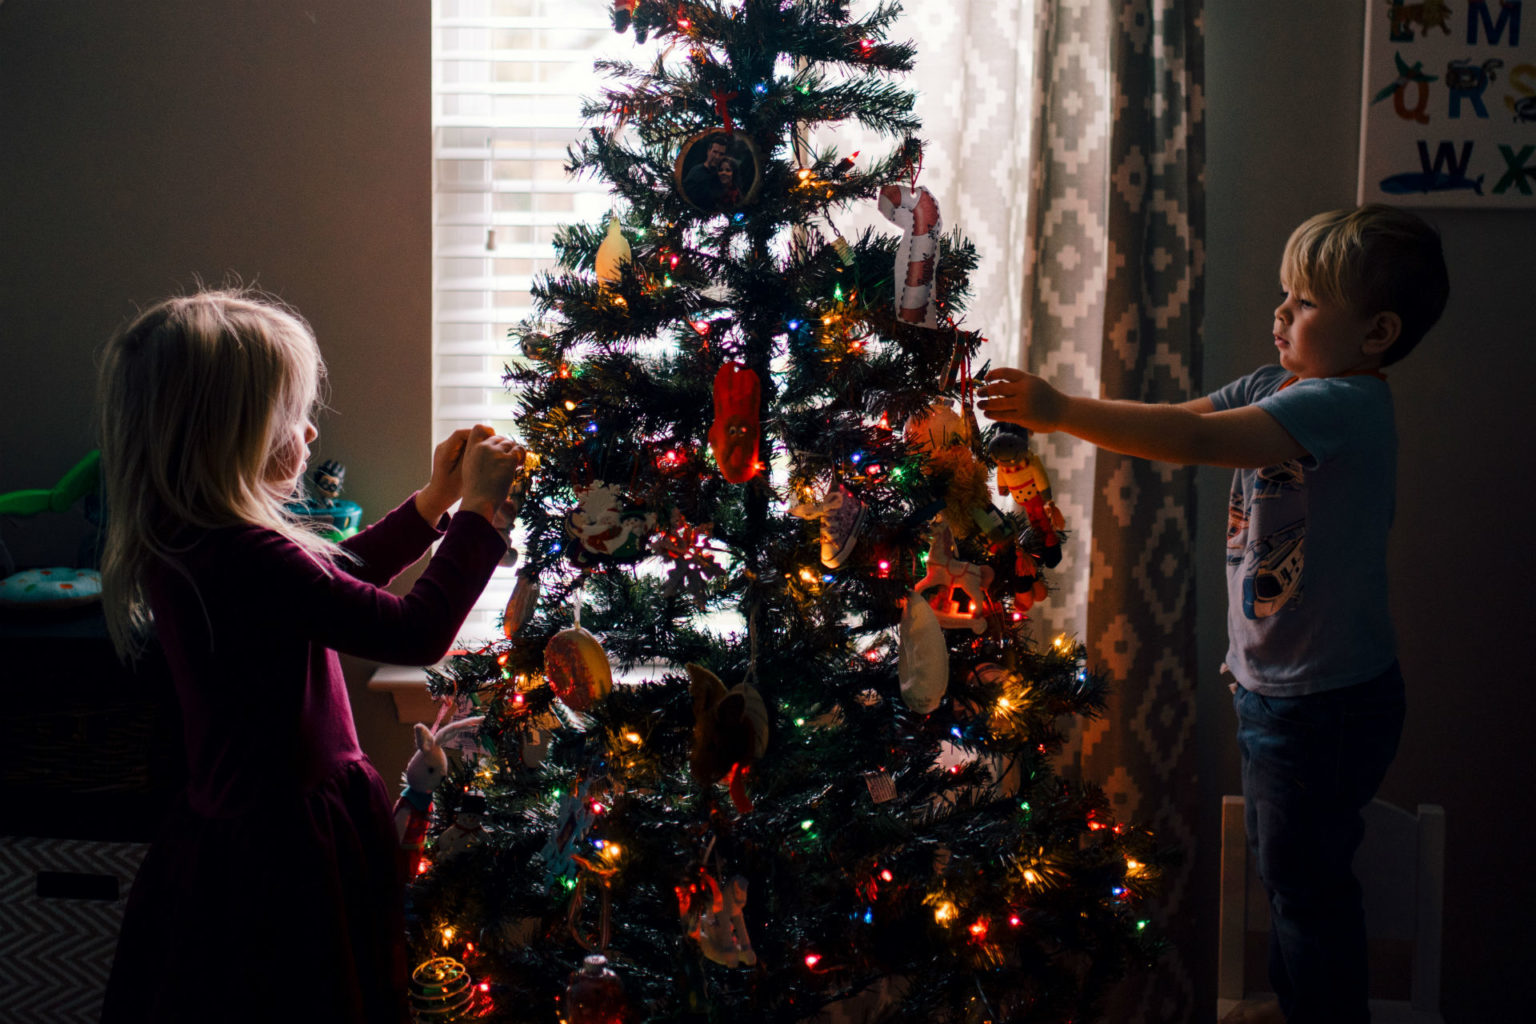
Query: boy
{"x": 1318, "y": 692}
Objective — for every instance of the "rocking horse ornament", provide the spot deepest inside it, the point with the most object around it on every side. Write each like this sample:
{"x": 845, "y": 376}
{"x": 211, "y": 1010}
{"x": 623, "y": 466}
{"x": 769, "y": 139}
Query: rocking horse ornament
{"x": 948, "y": 574}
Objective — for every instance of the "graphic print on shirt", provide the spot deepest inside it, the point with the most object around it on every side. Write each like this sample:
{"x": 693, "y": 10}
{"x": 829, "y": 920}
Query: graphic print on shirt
{"x": 1266, "y": 537}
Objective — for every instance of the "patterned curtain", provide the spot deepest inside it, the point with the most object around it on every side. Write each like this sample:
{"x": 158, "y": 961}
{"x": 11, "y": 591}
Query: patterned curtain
{"x": 1113, "y": 306}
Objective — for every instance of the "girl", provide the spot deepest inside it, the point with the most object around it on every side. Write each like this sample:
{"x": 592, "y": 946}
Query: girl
{"x": 271, "y": 891}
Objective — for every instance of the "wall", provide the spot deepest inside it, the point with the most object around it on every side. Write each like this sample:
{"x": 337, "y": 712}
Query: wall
{"x": 147, "y": 146}
{"x": 1283, "y": 87}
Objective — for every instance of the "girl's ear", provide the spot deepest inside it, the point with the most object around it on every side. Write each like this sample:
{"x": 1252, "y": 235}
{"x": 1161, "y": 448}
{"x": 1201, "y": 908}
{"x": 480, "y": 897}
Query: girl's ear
{"x": 1383, "y": 331}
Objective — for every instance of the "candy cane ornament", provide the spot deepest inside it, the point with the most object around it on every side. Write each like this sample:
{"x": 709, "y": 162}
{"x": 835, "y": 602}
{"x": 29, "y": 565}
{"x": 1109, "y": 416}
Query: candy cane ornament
{"x": 916, "y": 212}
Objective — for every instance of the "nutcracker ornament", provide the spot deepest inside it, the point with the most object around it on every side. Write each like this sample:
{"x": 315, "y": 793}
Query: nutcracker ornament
{"x": 1020, "y": 473}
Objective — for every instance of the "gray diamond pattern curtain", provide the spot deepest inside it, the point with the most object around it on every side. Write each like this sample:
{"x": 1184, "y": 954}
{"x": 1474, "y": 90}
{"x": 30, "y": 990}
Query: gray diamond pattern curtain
{"x": 1113, "y": 306}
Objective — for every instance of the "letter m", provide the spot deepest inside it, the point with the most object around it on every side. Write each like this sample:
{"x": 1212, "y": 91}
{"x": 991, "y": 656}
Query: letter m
{"x": 1509, "y": 17}
{"x": 1445, "y": 156}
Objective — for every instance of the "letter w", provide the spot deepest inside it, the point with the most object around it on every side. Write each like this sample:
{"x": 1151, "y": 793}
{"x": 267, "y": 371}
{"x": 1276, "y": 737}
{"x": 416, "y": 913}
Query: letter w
{"x": 1445, "y": 156}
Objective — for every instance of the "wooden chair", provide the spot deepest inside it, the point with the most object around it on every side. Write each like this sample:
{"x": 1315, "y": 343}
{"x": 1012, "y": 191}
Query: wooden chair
{"x": 1401, "y": 866}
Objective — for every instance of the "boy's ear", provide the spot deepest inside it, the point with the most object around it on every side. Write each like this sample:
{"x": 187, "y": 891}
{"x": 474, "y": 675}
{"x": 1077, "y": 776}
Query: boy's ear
{"x": 1382, "y": 332}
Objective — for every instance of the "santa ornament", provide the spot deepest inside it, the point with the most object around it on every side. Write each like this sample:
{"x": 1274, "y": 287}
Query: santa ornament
{"x": 916, "y": 212}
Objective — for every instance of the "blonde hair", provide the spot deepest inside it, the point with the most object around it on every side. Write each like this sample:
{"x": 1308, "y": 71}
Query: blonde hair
{"x": 1372, "y": 259}
{"x": 196, "y": 397}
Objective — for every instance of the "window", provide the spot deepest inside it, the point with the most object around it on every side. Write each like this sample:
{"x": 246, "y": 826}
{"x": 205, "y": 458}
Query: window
{"x": 508, "y": 78}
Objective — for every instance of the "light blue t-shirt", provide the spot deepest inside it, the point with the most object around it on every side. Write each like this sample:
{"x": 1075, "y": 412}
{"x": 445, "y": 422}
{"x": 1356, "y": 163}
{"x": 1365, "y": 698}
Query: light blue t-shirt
{"x": 1307, "y": 539}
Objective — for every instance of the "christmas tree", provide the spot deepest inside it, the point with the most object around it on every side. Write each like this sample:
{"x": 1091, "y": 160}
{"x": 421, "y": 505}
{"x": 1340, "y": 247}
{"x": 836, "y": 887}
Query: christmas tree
{"x": 823, "y": 788}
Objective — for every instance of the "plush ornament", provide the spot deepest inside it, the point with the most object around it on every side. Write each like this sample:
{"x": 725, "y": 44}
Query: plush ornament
{"x": 595, "y": 995}
{"x": 842, "y": 517}
{"x": 612, "y": 254}
{"x": 916, "y": 212}
{"x": 1020, "y": 474}
{"x": 520, "y": 604}
{"x": 465, "y": 831}
{"x": 722, "y": 930}
{"x": 935, "y": 429}
{"x": 922, "y": 663}
{"x": 945, "y": 436}
{"x": 734, "y": 434}
{"x": 423, "y": 772}
{"x": 604, "y": 529}
{"x": 730, "y": 732}
{"x": 577, "y": 668}
{"x": 947, "y": 574}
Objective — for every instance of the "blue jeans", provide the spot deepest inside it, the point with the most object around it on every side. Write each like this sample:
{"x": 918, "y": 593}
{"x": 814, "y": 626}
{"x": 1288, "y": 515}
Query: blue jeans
{"x": 1309, "y": 765}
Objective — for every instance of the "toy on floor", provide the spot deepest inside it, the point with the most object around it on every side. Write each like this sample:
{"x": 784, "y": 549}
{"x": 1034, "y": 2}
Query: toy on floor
{"x": 55, "y": 588}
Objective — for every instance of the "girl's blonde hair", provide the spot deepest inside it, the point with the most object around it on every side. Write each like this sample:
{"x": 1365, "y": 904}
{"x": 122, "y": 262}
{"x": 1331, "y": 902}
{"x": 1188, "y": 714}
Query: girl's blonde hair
{"x": 196, "y": 397}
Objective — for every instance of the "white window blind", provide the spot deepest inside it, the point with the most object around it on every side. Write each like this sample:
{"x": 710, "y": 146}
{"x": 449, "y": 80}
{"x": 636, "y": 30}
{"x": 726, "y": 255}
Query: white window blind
{"x": 508, "y": 78}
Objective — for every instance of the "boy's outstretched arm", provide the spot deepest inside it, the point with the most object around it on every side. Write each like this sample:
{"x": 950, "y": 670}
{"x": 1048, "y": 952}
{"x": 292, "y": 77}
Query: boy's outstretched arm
{"x": 1191, "y": 433}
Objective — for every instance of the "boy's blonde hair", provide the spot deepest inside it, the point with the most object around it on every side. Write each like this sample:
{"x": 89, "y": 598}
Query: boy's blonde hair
{"x": 196, "y": 396}
{"x": 1372, "y": 259}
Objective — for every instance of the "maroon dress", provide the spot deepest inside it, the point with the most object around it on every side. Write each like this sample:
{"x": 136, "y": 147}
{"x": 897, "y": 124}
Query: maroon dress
{"x": 272, "y": 891}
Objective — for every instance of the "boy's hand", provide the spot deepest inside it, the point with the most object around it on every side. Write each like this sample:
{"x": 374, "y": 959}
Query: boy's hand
{"x": 446, "y": 484}
{"x": 1013, "y": 396}
{"x": 490, "y": 465}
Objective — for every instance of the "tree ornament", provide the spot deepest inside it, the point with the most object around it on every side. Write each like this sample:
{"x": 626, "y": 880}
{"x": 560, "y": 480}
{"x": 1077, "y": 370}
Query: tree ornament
{"x": 442, "y": 990}
{"x": 423, "y": 772}
{"x": 606, "y": 529}
{"x": 595, "y": 995}
{"x": 623, "y": 12}
{"x": 730, "y": 732}
{"x": 464, "y": 831}
{"x": 1021, "y": 474}
{"x": 922, "y": 662}
{"x": 520, "y": 604}
{"x": 936, "y": 428}
{"x": 842, "y": 517}
{"x": 577, "y": 668}
{"x": 573, "y": 820}
{"x": 733, "y": 437}
{"x": 612, "y": 254}
{"x": 948, "y": 574}
{"x": 945, "y": 436}
{"x": 916, "y": 212}
{"x": 722, "y": 930}
{"x": 693, "y": 563}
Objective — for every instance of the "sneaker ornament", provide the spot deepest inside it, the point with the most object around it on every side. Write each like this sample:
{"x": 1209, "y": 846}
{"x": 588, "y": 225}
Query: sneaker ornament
{"x": 733, "y": 436}
{"x": 842, "y": 518}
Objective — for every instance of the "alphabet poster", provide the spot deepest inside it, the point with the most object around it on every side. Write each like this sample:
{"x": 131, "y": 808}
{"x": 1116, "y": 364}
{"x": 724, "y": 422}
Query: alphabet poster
{"x": 1449, "y": 104}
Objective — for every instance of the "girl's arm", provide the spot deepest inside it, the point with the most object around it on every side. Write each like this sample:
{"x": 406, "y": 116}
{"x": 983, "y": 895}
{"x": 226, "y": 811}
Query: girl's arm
{"x": 1191, "y": 433}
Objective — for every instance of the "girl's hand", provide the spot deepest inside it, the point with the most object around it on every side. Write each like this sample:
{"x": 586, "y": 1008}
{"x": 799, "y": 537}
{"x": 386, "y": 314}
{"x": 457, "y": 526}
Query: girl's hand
{"x": 489, "y": 466}
{"x": 1013, "y": 396}
{"x": 446, "y": 484}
